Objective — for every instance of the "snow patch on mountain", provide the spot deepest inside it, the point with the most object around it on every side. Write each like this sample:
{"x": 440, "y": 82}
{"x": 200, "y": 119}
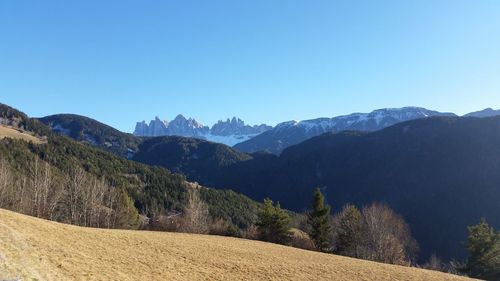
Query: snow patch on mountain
{"x": 292, "y": 132}
{"x": 229, "y": 140}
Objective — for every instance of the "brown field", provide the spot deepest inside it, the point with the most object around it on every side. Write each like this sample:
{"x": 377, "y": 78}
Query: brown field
{"x": 7, "y": 132}
{"x": 35, "y": 249}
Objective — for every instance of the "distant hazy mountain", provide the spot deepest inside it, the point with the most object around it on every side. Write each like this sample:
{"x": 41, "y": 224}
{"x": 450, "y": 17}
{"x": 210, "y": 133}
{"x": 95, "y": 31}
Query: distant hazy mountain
{"x": 290, "y": 133}
{"x": 229, "y": 132}
{"x": 488, "y": 112}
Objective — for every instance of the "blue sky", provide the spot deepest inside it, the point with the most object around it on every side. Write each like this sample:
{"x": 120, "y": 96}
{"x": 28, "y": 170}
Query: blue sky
{"x": 264, "y": 61}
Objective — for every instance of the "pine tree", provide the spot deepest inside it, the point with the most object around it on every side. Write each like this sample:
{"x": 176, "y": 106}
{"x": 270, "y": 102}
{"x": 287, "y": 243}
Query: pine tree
{"x": 483, "y": 245}
{"x": 273, "y": 223}
{"x": 317, "y": 218}
{"x": 349, "y": 230}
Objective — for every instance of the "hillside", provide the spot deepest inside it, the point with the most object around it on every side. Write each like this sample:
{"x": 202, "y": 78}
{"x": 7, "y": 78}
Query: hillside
{"x": 34, "y": 249}
{"x": 95, "y": 133}
{"x": 66, "y": 170}
{"x": 7, "y": 132}
{"x": 195, "y": 158}
{"x": 441, "y": 174}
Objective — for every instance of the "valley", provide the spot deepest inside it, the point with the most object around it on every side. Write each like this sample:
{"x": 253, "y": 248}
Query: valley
{"x": 250, "y": 140}
{"x": 410, "y": 165}
{"x": 148, "y": 179}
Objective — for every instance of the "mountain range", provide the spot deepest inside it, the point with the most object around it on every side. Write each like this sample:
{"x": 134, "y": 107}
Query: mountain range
{"x": 234, "y": 132}
{"x": 229, "y": 132}
{"x": 439, "y": 172}
{"x": 289, "y": 133}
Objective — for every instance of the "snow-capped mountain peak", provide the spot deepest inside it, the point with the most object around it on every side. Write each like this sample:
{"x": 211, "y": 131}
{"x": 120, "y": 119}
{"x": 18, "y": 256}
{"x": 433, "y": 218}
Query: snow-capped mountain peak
{"x": 289, "y": 133}
{"x": 368, "y": 121}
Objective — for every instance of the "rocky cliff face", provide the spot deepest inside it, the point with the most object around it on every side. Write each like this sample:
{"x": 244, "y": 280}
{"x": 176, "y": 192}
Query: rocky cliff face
{"x": 236, "y": 126}
{"x": 229, "y": 132}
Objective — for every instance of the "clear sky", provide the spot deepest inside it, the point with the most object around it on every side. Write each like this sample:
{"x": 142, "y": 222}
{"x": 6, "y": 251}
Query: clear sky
{"x": 263, "y": 61}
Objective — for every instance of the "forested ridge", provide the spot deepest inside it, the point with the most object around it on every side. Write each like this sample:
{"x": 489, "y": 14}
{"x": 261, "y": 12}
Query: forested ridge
{"x": 57, "y": 178}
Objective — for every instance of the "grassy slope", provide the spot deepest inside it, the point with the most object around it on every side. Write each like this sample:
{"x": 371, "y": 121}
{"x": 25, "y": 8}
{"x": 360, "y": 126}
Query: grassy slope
{"x": 6, "y": 132}
{"x": 32, "y": 248}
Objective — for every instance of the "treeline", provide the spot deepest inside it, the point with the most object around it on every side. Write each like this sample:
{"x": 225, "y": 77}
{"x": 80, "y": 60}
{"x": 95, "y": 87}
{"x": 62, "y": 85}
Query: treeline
{"x": 75, "y": 197}
{"x": 373, "y": 233}
{"x": 196, "y": 217}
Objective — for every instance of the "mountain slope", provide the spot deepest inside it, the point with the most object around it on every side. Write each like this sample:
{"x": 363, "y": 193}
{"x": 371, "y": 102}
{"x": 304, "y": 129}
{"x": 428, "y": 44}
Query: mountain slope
{"x": 440, "y": 173}
{"x": 90, "y": 131}
{"x": 195, "y": 158}
{"x": 290, "y": 133}
{"x": 147, "y": 190}
{"x": 33, "y": 248}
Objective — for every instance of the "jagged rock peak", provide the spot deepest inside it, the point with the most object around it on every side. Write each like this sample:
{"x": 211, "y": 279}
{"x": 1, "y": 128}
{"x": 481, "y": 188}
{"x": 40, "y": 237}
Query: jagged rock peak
{"x": 230, "y": 131}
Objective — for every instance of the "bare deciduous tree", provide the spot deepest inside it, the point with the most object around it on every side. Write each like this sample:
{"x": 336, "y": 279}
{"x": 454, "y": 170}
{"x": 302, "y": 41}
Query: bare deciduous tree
{"x": 5, "y": 181}
{"x": 386, "y": 236}
{"x": 75, "y": 197}
{"x": 196, "y": 218}
{"x": 434, "y": 263}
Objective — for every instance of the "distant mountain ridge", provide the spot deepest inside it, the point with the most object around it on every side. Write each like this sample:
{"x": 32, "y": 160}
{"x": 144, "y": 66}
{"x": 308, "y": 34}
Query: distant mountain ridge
{"x": 488, "y": 112}
{"x": 440, "y": 173}
{"x": 229, "y": 132}
{"x": 444, "y": 168}
{"x": 234, "y": 132}
{"x": 290, "y": 133}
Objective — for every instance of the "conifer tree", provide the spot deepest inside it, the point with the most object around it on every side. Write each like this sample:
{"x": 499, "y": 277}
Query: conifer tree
{"x": 273, "y": 223}
{"x": 483, "y": 245}
{"x": 318, "y": 218}
{"x": 349, "y": 231}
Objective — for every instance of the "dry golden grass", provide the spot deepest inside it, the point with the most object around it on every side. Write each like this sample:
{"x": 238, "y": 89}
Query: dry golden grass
{"x": 35, "y": 249}
{"x": 7, "y": 132}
